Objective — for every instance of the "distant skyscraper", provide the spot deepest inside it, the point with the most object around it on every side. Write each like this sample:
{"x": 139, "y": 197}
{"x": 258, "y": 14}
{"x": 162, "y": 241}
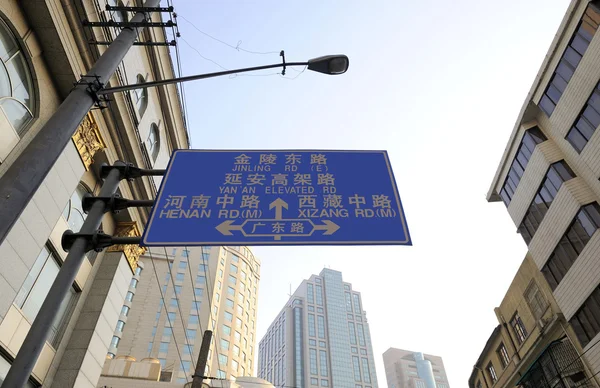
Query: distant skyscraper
{"x": 407, "y": 369}
{"x": 203, "y": 288}
{"x": 321, "y": 338}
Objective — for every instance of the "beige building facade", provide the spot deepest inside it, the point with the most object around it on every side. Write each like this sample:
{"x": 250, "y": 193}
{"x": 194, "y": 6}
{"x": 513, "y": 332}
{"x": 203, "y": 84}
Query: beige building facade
{"x": 181, "y": 293}
{"x": 548, "y": 175}
{"x": 408, "y": 369}
{"x": 533, "y": 346}
{"x": 44, "y": 48}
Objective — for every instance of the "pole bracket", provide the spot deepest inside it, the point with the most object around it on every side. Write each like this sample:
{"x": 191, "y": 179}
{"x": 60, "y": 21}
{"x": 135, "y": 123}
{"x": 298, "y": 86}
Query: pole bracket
{"x": 282, "y": 55}
{"x": 129, "y": 171}
{"x": 96, "y": 241}
{"x": 93, "y": 86}
{"x": 113, "y": 203}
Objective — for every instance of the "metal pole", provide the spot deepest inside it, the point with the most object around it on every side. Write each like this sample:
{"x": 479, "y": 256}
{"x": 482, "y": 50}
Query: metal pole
{"x": 27, "y": 172}
{"x": 202, "y": 359}
{"x": 195, "y": 77}
{"x": 29, "y": 352}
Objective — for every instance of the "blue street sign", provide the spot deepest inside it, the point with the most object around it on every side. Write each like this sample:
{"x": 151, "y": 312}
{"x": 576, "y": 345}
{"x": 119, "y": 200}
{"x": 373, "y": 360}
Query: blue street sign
{"x": 288, "y": 197}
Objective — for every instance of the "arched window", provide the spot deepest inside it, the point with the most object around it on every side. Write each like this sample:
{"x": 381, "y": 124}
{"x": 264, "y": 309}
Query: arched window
{"x": 140, "y": 96}
{"x": 16, "y": 91}
{"x": 73, "y": 212}
{"x": 153, "y": 142}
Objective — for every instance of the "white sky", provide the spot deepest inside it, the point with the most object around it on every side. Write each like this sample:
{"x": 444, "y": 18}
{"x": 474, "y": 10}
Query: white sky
{"x": 439, "y": 85}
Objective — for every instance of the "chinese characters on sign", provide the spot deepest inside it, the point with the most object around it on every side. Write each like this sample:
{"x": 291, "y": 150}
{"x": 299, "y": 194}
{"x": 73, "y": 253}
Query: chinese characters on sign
{"x": 277, "y": 197}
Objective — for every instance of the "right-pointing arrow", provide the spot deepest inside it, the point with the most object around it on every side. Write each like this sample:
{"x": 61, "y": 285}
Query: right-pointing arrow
{"x": 330, "y": 227}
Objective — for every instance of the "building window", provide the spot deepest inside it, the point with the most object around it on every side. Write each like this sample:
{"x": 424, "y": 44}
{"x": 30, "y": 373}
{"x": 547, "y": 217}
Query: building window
{"x": 366, "y": 370}
{"x": 536, "y": 301}
{"x": 153, "y": 142}
{"x": 115, "y": 341}
{"x": 571, "y": 244}
{"x": 310, "y": 293}
{"x": 193, "y": 320}
{"x": 586, "y": 123}
{"x": 73, "y": 212}
{"x": 35, "y": 289}
{"x": 173, "y": 303}
{"x": 238, "y": 336}
{"x": 357, "y": 308}
{"x": 311, "y": 325}
{"x": 324, "y": 383}
{"x": 531, "y": 138}
{"x": 492, "y": 373}
{"x": 321, "y": 326}
{"x": 229, "y": 303}
{"x": 558, "y": 173}
{"x": 224, "y": 344}
{"x": 352, "y": 331}
{"x": 231, "y": 291}
{"x": 356, "y": 365}
{"x": 134, "y": 283}
{"x": 227, "y": 330}
{"x": 200, "y": 279}
{"x": 313, "y": 361}
{"x": 323, "y": 363}
{"x": 120, "y": 326}
{"x": 570, "y": 60}
{"x": 129, "y": 296}
{"x": 140, "y": 96}
{"x": 519, "y": 328}
{"x": 348, "y": 302}
{"x": 314, "y": 381}
{"x": 228, "y": 316}
{"x": 164, "y": 347}
{"x": 586, "y": 321}
{"x": 125, "y": 310}
{"x": 233, "y": 269}
{"x": 503, "y": 355}
{"x": 232, "y": 279}
{"x": 361, "y": 334}
{"x": 319, "y": 295}
{"x": 190, "y": 334}
{"x": 16, "y": 90}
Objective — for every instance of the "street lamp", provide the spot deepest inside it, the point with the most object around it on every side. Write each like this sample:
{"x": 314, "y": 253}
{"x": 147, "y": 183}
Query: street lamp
{"x": 328, "y": 64}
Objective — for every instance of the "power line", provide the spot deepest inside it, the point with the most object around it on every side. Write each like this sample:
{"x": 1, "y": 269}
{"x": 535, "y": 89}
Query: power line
{"x": 211, "y": 312}
{"x": 178, "y": 304}
{"x": 236, "y": 47}
{"x": 165, "y": 306}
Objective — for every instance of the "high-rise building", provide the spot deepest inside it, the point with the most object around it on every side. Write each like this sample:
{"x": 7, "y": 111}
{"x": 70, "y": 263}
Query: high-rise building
{"x": 548, "y": 176}
{"x": 408, "y": 369}
{"x": 181, "y": 293}
{"x": 320, "y": 338}
{"x": 44, "y": 49}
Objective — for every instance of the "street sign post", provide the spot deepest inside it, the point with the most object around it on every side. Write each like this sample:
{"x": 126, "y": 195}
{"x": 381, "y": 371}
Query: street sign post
{"x": 291, "y": 197}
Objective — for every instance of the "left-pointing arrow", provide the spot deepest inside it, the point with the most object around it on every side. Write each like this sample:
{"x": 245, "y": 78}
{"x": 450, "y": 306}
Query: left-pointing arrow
{"x": 225, "y": 227}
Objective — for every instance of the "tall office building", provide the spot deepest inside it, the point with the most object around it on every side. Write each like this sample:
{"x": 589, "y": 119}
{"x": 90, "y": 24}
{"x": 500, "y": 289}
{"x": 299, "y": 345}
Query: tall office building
{"x": 321, "y": 338}
{"x": 408, "y": 369}
{"x": 548, "y": 179}
{"x": 44, "y": 49}
{"x": 183, "y": 292}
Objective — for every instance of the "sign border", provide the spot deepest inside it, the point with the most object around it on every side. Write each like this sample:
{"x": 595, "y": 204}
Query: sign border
{"x": 407, "y": 241}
